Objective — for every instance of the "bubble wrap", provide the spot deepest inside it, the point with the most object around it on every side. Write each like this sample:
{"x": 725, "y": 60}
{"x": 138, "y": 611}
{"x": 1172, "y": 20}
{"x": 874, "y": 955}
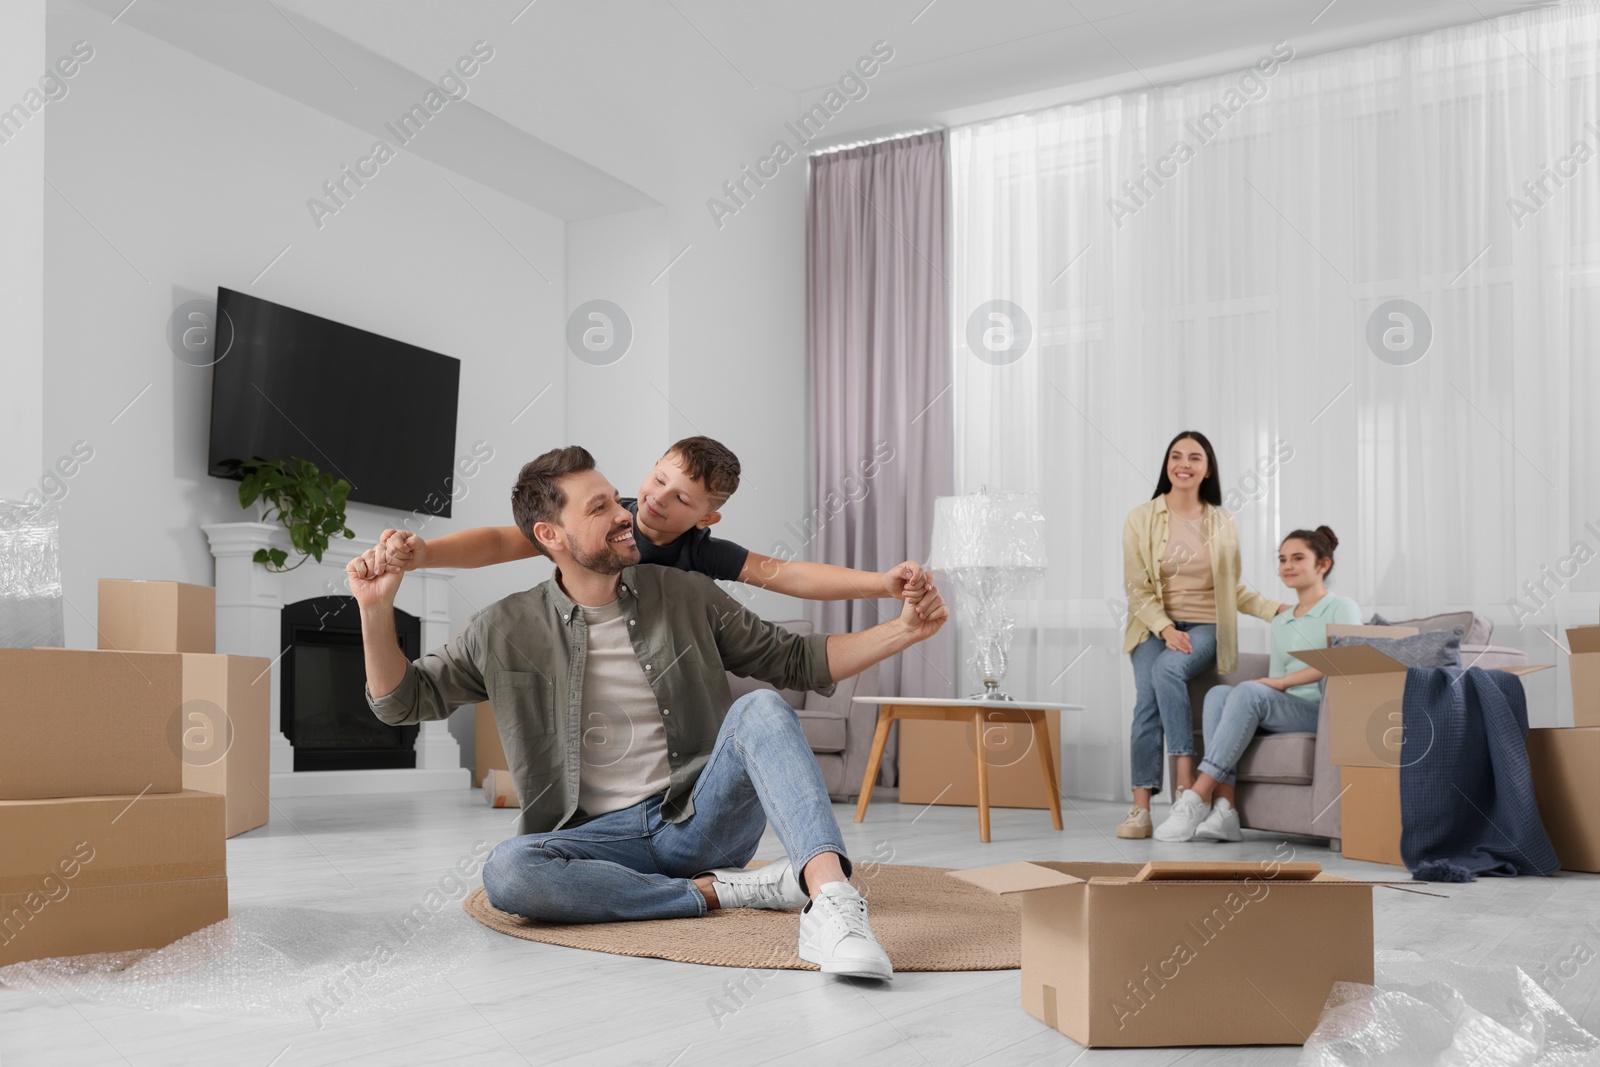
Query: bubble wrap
{"x": 284, "y": 963}
{"x": 30, "y": 577}
{"x": 990, "y": 544}
{"x": 1430, "y": 1012}
{"x": 989, "y": 528}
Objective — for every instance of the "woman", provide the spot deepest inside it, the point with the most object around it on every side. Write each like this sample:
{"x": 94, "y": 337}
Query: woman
{"x": 1286, "y": 702}
{"x": 1181, "y": 562}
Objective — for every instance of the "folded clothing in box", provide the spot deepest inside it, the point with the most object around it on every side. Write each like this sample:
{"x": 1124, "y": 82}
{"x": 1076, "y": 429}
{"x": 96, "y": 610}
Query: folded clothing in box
{"x": 30, "y": 577}
{"x": 109, "y": 873}
{"x": 81, "y": 723}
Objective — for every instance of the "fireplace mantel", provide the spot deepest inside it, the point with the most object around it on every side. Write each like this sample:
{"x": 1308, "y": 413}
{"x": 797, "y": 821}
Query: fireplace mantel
{"x": 250, "y": 602}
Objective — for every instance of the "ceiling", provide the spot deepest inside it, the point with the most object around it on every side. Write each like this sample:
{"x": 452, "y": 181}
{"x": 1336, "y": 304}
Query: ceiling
{"x": 616, "y": 104}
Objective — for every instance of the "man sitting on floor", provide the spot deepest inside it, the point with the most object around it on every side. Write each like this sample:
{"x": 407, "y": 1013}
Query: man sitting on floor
{"x": 665, "y": 828}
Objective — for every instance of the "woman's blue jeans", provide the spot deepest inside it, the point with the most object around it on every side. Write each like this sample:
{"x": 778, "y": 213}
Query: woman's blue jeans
{"x": 1233, "y": 714}
{"x": 633, "y": 864}
{"x": 1161, "y": 698}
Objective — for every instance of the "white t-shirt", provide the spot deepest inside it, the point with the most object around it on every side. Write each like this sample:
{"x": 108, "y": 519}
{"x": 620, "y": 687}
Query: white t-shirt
{"x": 624, "y": 743}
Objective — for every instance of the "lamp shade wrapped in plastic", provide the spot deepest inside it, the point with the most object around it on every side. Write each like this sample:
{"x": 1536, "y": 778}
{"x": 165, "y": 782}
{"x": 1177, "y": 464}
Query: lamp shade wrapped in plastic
{"x": 990, "y": 544}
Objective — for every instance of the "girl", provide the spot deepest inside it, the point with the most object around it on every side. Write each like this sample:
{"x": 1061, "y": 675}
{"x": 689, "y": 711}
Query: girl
{"x": 1181, "y": 563}
{"x": 1285, "y": 702}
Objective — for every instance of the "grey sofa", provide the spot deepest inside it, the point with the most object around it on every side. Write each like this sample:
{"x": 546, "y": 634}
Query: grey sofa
{"x": 1286, "y": 782}
{"x": 838, "y": 731}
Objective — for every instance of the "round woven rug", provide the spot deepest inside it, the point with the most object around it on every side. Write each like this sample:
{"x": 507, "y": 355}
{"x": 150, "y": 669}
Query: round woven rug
{"x": 925, "y": 921}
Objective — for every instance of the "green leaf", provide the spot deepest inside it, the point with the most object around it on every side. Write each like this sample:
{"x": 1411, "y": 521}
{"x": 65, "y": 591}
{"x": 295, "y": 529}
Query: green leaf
{"x": 308, "y": 502}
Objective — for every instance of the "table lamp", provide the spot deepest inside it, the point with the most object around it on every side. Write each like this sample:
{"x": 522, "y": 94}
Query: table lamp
{"x": 990, "y": 543}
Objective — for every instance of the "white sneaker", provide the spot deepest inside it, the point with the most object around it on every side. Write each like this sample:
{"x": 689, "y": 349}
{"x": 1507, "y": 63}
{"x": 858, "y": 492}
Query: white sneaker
{"x": 835, "y": 936}
{"x": 1188, "y": 812}
{"x": 770, "y": 886}
{"x": 1221, "y": 825}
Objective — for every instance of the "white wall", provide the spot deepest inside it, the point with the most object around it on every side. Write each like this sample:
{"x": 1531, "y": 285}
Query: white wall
{"x": 22, "y": 189}
{"x": 187, "y": 178}
{"x": 616, "y": 403}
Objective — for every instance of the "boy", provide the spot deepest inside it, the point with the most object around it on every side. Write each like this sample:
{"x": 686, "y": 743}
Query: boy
{"x": 676, "y": 504}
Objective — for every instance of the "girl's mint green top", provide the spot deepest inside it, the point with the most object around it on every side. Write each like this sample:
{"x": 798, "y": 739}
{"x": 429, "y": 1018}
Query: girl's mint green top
{"x": 1291, "y": 635}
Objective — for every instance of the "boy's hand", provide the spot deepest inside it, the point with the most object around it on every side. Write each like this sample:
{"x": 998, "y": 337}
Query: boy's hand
{"x": 371, "y": 583}
{"x": 402, "y": 550}
{"x": 923, "y": 617}
{"x": 906, "y": 581}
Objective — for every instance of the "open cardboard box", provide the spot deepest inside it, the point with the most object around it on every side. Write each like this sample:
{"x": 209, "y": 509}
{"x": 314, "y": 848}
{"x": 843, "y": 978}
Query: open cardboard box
{"x": 1584, "y": 668}
{"x": 1364, "y": 692}
{"x": 1168, "y": 954}
{"x": 109, "y": 873}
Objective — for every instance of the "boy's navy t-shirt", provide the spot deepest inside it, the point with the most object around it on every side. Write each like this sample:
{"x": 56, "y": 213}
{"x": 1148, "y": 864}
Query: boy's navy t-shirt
{"x": 692, "y": 550}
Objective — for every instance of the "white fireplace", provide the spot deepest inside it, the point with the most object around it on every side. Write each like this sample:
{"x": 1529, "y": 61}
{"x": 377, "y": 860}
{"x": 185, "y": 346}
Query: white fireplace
{"x": 250, "y": 603}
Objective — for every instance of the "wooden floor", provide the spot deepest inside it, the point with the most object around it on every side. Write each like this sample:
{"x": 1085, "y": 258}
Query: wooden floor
{"x": 522, "y": 1003}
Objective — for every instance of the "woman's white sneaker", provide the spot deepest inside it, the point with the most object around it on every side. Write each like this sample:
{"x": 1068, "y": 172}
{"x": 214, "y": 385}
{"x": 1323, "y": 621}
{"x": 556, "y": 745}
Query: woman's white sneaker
{"x": 1188, "y": 812}
{"x": 835, "y": 936}
{"x": 1221, "y": 825}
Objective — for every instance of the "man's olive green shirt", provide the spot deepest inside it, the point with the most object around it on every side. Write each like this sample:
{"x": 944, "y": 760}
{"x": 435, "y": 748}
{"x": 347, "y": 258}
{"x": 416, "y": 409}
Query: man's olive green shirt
{"x": 526, "y": 653}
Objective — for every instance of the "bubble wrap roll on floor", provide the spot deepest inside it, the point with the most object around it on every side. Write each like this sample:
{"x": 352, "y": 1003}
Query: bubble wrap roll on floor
{"x": 287, "y": 963}
{"x": 1425, "y": 1012}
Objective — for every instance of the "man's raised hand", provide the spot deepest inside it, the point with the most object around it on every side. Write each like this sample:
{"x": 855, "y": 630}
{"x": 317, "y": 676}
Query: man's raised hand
{"x": 372, "y": 583}
{"x": 906, "y": 581}
{"x": 402, "y": 550}
{"x": 923, "y": 617}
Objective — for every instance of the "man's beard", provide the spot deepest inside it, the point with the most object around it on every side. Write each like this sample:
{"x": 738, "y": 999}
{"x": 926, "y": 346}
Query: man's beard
{"x": 609, "y": 560}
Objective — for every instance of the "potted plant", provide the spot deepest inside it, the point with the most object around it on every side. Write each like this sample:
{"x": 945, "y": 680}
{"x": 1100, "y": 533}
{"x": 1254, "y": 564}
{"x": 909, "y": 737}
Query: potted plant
{"x": 308, "y": 501}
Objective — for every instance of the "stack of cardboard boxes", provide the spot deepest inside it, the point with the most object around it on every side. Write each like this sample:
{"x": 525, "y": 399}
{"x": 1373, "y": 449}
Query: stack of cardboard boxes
{"x": 1364, "y": 694}
{"x": 122, "y": 772}
{"x": 1566, "y": 762}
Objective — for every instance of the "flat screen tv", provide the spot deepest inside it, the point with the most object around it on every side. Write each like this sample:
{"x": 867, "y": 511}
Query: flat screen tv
{"x": 377, "y": 412}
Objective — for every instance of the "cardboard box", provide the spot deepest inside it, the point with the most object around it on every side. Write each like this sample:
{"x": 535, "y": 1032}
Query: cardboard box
{"x": 1565, "y": 764}
{"x": 939, "y": 763}
{"x": 1584, "y": 667}
{"x": 1115, "y": 955}
{"x": 226, "y": 733}
{"x": 137, "y": 616}
{"x": 1369, "y": 814}
{"x": 1364, "y": 694}
{"x": 487, "y": 752}
{"x": 81, "y": 723}
{"x": 109, "y": 874}
{"x": 1366, "y": 734}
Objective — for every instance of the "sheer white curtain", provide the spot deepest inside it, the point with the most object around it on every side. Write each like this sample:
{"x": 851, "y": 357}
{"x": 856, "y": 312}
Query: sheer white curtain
{"x": 1231, "y": 285}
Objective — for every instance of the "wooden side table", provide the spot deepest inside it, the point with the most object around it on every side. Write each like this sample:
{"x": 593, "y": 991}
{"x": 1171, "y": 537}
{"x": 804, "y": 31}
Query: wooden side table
{"x": 980, "y": 713}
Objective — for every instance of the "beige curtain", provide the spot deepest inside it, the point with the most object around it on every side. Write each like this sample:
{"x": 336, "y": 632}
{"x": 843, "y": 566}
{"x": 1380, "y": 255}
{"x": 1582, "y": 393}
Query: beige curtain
{"x": 880, "y": 379}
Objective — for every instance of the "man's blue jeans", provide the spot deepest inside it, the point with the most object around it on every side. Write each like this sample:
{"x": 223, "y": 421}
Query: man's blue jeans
{"x": 1233, "y": 714}
{"x": 1161, "y": 698}
{"x": 633, "y": 864}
